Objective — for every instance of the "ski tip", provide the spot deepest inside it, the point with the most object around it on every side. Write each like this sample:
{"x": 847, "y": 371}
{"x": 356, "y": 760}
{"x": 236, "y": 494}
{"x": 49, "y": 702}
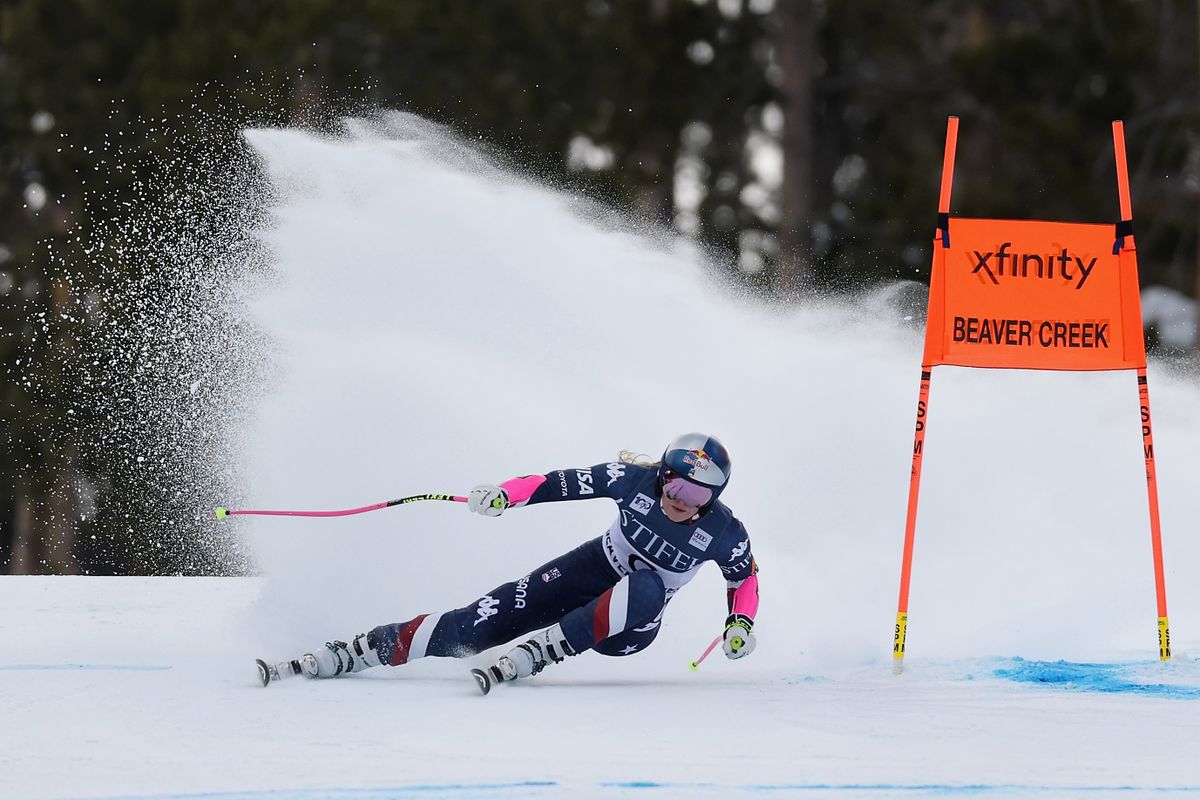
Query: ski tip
{"x": 264, "y": 674}
{"x": 481, "y": 678}
{"x": 222, "y": 513}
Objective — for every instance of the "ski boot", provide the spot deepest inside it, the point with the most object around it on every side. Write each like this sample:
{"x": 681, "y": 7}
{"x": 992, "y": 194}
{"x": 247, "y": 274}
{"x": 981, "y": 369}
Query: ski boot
{"x": 331, "y": 660}
{"x": 526, "y": 659}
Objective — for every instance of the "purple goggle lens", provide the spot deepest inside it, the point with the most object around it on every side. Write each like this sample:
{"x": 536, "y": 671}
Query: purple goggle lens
{"x": 686, "y": 492}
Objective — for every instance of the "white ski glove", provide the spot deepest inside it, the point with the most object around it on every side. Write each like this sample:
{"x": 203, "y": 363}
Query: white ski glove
{"x": 739, "y": 641}
{"x": 487, "y": 499}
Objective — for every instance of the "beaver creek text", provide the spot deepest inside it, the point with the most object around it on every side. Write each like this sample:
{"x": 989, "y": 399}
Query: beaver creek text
{"x": 1030, "y": 332}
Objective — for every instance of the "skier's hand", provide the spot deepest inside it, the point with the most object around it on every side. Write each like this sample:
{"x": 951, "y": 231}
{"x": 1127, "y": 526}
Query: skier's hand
{"x": 487, "y": 499}
{"x": 739, "y": 641}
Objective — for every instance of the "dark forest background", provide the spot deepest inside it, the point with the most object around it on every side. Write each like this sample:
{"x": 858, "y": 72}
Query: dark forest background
{"x": 799, "y": 141}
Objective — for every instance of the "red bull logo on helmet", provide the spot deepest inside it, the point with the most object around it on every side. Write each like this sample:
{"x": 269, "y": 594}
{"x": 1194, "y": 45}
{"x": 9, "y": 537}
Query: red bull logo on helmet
{"x": 697, "y": 460}
{"x": 703, "y": 470}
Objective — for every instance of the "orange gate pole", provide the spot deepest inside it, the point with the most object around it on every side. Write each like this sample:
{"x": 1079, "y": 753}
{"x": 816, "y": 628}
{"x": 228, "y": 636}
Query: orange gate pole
{"x": 914, "y": 485}
{"x": 910, "y": 524}
{"x": 1160, "y": 584}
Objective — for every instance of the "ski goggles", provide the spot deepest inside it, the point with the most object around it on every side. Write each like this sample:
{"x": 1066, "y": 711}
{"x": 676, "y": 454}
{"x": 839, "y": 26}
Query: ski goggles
{"x": 684, "y": 491}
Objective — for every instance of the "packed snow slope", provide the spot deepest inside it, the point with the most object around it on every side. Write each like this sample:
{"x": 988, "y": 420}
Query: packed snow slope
{"x": 439, "y": 321}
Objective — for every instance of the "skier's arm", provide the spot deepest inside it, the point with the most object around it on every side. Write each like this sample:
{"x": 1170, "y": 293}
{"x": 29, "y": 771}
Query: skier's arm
{"x": 601, "y": 480}
{"x": 742, "y": 597}
{"x": 741, "y": 580}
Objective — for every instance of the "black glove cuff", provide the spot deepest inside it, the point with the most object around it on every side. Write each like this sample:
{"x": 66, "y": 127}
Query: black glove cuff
{"x": 739, "y": 619}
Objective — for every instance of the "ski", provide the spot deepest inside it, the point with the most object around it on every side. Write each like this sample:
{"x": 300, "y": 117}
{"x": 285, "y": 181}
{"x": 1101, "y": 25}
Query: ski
{"x": 487, "y": 678}
{"x": 274, "y": 672}
{"x": 481, "y": 678}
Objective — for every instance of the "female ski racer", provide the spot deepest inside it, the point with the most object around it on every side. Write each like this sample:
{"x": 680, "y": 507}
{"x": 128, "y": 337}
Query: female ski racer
{"x": 606, "y": 595}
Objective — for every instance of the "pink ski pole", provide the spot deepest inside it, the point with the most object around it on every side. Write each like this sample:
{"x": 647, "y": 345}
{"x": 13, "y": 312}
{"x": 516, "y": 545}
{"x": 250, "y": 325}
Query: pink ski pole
{"x": 222, "y": 513}
{"x": 695, "y": 665}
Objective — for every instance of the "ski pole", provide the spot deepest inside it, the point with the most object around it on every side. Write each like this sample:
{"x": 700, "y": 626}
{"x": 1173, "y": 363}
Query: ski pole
{"x": 695, "y": 665}
{"x": 222, "y": 513}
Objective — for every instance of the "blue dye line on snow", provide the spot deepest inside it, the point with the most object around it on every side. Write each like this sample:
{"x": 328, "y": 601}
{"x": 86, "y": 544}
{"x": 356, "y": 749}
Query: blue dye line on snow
{"x": 486, "y": 791}
{"x": 1081, "y": 677}
{"x": 914, "y": 788}
{"x": 92, "y": 667}
{"x": 464, "y": 790}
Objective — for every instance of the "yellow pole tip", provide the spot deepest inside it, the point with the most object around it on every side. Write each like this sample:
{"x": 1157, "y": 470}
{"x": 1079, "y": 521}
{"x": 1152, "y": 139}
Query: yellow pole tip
{"x": 693, "y": 666}
{"x": 222, "y": 513}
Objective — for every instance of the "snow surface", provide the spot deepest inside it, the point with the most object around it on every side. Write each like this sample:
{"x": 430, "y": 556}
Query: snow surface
{"x": 438, "y": 322}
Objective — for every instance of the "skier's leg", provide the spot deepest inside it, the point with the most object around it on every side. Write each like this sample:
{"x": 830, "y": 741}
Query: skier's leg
{"x": 636, "y": 601}
{"x": 522, "y": 606}
{"x": 507, "y": 612}
{"x": 633, "y": 603}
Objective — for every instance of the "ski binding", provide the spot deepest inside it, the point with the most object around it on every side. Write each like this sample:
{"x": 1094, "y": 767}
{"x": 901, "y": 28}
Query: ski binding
{"x": 274, "y": 672}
